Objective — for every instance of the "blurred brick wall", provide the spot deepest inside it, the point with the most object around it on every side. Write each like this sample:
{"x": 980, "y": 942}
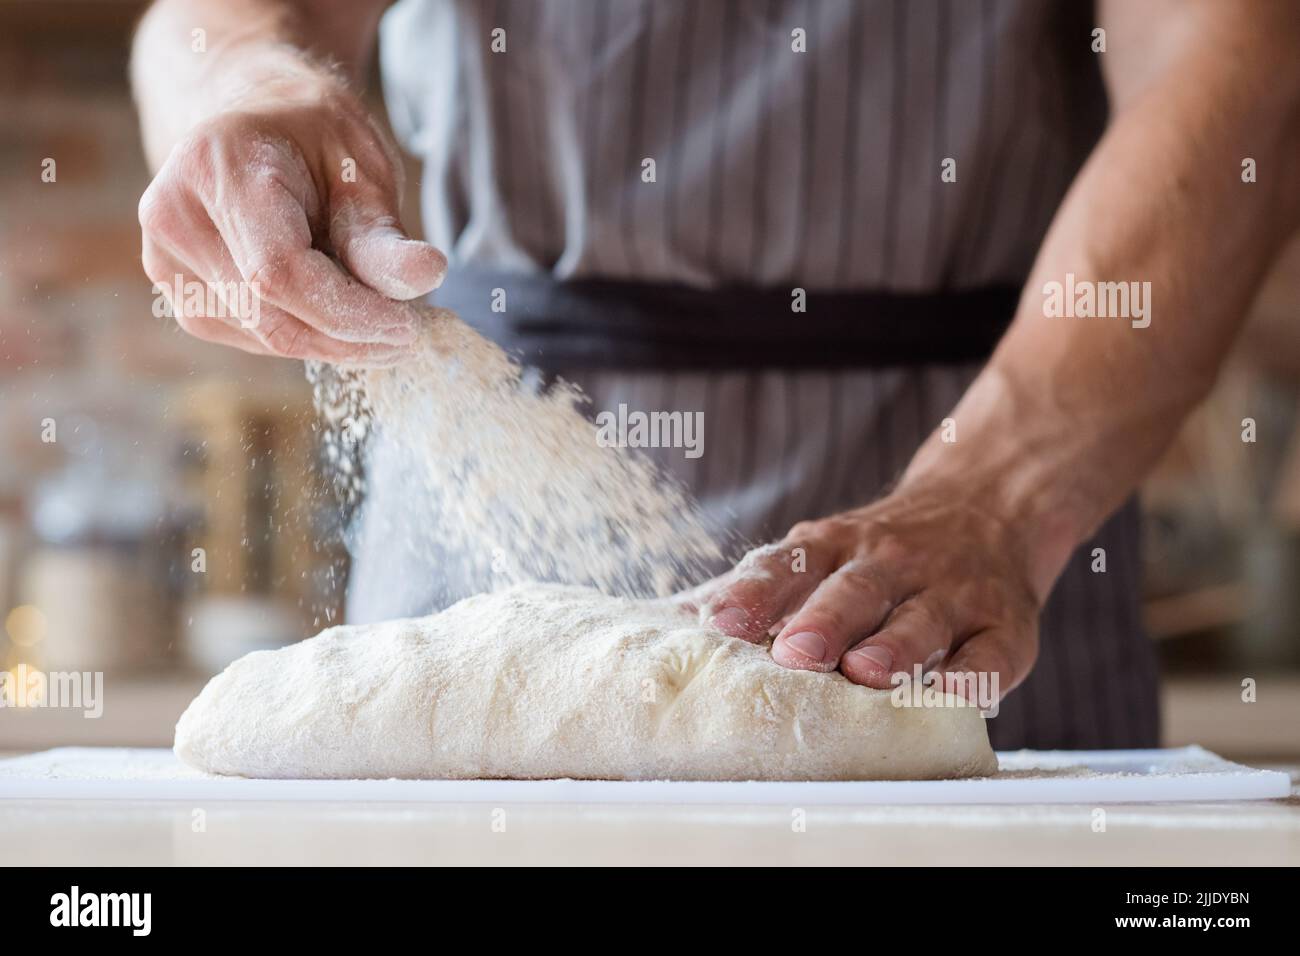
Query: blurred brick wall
{"x": 78, "y": 339}
{"x": 76, "y": 326}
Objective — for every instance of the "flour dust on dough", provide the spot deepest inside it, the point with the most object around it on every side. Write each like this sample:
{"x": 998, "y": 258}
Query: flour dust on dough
{"x": 547, "y": 681}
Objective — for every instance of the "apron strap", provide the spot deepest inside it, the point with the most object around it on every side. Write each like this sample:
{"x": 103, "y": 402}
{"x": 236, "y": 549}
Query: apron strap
{"x": 617, "y": 324}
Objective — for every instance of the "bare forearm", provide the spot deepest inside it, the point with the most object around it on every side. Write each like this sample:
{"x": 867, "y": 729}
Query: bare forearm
{"x": 193, "y": 58}
{"x": 1072, "y": 412}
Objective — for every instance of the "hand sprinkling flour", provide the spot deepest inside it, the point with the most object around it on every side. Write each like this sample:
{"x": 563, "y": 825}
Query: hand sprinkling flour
{"x": 517, "y": 477}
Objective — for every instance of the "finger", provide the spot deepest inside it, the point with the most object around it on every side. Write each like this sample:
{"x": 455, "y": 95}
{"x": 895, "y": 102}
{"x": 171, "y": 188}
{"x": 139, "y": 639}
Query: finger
{"x": 289, "y": 338}
{"x": 205, "y": 257}
{"x": 373, "y": 247}
{"x": 283, "y": 334}
{"x": 220, "y": 333}
{"x": 764, "y": 587}
{"x": 847, "y": 605}
{"x": 267, "y": 330}
{"x": 364, "y": 225}
{"x": 1000, "y": 654}
{"x": 164, "y": 269}
{"x": 274, "y": 254}
{"x": 175, "y": 222}
{"x": 917, "y": 632}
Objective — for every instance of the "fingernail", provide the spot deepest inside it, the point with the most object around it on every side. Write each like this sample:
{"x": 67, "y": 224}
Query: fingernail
{"x": 808, "y": 644}
{"x": 730, "y": 620}
{"x": 873, "y": 656}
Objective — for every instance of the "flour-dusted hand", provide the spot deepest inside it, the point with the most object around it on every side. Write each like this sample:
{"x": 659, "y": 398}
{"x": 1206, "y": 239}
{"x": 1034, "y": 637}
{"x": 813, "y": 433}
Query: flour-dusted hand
{"x": 282, "y": 198}
{"x": 948, "y": 571}
{"x": 918, "y": 577}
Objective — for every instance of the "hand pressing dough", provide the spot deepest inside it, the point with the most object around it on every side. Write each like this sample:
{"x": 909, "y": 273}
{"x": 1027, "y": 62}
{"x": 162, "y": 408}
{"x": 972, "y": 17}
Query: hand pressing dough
{"x": 544, "y": 681}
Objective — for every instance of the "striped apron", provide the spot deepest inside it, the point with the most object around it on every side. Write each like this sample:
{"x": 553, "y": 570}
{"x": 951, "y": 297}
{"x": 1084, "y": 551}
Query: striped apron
{"x": 711, "y": 158}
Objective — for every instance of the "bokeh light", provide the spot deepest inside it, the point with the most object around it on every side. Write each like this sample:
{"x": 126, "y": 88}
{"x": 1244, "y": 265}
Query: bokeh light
{"x": 26, "y": 625}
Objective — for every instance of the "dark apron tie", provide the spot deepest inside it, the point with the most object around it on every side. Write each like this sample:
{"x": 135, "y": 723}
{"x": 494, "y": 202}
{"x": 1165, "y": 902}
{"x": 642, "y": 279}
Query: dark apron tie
{"x": 617, "y": 324}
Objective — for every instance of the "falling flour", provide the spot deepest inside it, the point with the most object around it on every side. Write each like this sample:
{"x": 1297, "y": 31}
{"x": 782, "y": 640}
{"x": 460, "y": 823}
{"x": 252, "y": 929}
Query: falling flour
{"x": 520, "y": 486}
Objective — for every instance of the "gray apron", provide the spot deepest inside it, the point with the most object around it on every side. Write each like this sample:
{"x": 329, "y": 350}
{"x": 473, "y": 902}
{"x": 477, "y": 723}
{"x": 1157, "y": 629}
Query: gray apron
{"x": 773, "y": 170}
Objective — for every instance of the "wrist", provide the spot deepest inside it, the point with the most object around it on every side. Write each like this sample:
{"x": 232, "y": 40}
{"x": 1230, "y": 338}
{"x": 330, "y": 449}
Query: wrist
{"x": 1012, "y": 462}
{"x": 269, "y": 74}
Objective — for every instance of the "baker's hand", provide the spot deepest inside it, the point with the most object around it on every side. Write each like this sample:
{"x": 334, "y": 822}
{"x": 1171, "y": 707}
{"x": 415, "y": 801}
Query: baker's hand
{"x": 922, "y": 576}
{"x": 285, "y": 205}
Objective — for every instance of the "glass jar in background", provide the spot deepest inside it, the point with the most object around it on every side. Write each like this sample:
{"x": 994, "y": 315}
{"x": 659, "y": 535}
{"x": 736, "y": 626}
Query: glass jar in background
{"x": 97, "y": 570}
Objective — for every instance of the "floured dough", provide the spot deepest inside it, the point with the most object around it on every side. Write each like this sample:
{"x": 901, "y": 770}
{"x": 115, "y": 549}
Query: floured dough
{"x": 542, "y": 681}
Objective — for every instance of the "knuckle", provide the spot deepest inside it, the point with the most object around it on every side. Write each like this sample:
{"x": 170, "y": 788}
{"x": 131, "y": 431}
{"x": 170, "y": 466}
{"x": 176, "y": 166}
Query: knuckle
{"x": 749, "y": 595}
{"x": 273, "y": 177}
{"x": 827, "y": 620}
{"x": 299, "y": 347}
{"x": 272, "y": 279}
{"x": 156, "y": 267}
{"x": 889, "y": 547}
{"x": 983, "y": 602}
{"x": 991, "y": 602}
{"x": 352, "y": 223}
{"x": 150, "y": 212}
{"x": 759, "y": 563}
{"x": 286, "y": 338}
{"x": 156, "y": 210}
{"x": 745, "y": 593}
{"x": 379, "y": 153}
{"x": 194, "y": 152}
{"x": 803, "y": 531}
{"x": 862, "y": 576}
{"x": 924, "y": 617}
{"x": 191, "y": 163}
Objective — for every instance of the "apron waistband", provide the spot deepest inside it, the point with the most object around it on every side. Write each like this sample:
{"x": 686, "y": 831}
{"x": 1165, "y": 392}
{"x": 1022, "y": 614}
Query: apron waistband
{"x": 617, "y": 324}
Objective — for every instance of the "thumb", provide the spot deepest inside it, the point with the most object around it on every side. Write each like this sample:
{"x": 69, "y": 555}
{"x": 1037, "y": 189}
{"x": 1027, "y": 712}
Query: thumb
{"x": 379, "y": 253}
